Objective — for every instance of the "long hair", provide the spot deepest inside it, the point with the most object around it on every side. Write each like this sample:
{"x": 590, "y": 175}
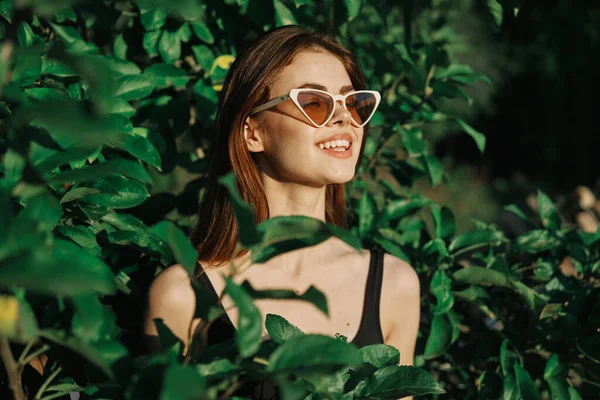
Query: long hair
{"x": 245, "y": 87}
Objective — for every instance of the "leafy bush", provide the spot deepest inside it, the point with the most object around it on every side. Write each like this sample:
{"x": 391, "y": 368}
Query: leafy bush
{"x": 106, "y": 111}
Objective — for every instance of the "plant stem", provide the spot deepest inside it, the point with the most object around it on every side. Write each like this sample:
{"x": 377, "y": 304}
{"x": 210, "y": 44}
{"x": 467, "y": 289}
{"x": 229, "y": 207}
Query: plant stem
{"x": 48, "y": 381}
{"x": 35, "y": 354}
{"x": 12, "y": 369}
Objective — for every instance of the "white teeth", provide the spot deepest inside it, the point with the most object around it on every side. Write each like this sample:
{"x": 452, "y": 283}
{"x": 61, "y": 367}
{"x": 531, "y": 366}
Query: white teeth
{"x": 335, "y": 143}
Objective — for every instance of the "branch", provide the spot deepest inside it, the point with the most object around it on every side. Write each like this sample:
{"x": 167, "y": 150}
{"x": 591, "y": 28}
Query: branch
{"x": 12, "y": 369}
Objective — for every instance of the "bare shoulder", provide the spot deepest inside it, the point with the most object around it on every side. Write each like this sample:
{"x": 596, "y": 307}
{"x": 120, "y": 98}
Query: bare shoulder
{"x": 172, "y": 299}
{"x": 400, "y": 280}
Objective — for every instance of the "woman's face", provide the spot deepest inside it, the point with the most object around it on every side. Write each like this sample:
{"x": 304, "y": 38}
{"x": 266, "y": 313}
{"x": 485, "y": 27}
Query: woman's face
{"x": 287, "y": 144}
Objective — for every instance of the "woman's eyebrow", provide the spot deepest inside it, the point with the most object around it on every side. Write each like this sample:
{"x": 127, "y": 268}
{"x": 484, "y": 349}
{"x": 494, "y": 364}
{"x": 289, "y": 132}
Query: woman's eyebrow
{"x": 343, "y": 89}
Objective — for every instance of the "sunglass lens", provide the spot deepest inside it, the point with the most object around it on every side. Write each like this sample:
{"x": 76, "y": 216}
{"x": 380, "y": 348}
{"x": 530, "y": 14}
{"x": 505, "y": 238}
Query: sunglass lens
{"x": 317, "y": 106}
{"x": 361, "y": 106}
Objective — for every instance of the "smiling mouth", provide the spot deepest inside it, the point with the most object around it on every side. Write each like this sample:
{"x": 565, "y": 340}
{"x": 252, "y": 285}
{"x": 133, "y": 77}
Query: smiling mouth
{"x": 337, "y": 148}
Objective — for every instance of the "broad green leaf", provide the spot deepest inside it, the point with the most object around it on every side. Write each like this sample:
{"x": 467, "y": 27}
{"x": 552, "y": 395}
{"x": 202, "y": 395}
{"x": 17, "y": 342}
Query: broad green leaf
{"x": 221, "y": 366}
{"x": 202, "y": 31}
{"x": 165, "y": 75}
{"x": 150, "y": 42}
{"x": 93, "y": 321}
{"x": 391, "y": 247}
{"x": 508, "y": 358}
{"x": 444, "y": 221}
{"x": 248, "y": 234}
{"x": 182, "y": 382}
{"x": 120, "y": 47}
{"x": 280, "y": 330}
{"x": 433, "y": 166}
{"x": 141, "y": 148}
{"x": 62, "y": 269}
{"x": 475, "y": 239}
{"x": 497, "y": 13}
{"x": 397, "y": 381}
{"x": 479, "y": 137}
{"x": 249, "y": 326}
{"x": 46, "y": 94}
{"x": 283, "y": 15}
{"x": 78, "y": 193}
{"x": 153, "y": 19}
{"x": 482, "y": 276}
{"x": 412, "y": 140}
{"x": 6, "y": 9}
{"x": 204, "y": 57}
{"x": 117, "y": 166}
{"x": 547, "y": 211}
{"x": 312, "y": 295}
{"x": 143, "y": 241}
{"x": 536, "y": 241}
{"x": 313, "y": 353}
{"x": 183, "y": 251}
{"x": 133, "y": 87}
{"x": 380, "y": 354}
{"x": 511, "y": 387}
{"x": 441, "y": 288}
{"x": 169, "y": 46}
{"x": 556, "y": 377}
{"x": 121, "y": 107}
{"x": 526, "y": 385}
{"x": 353, "y": 7}
{"x": 82, "y": 236}
{"x": 25, "y": 34}
{"x": 400, "y": 208}
{"x": 440, "y": 337}
{"x": 129, "y": 193}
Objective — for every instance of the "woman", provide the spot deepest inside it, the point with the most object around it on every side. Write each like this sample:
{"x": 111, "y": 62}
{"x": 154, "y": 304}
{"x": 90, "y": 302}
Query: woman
{"x": 292, "y": 148}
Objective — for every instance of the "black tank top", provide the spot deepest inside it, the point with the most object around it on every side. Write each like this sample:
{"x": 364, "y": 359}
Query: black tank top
{"x": 369, "y": 330}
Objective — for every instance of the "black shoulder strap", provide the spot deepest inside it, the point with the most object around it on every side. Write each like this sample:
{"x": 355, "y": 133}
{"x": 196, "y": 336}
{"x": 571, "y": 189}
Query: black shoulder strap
{"x": 375, "y": 282}
{"x": 205, "y": 282}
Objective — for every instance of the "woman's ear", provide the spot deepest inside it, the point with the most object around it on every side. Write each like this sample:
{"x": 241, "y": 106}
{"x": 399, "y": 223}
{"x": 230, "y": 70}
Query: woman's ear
{"x": 253, "y": 135}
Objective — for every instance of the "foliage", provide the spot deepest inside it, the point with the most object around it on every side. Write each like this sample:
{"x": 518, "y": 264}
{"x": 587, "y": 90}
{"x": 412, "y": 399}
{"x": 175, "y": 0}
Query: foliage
{"x": 104, "y": 103}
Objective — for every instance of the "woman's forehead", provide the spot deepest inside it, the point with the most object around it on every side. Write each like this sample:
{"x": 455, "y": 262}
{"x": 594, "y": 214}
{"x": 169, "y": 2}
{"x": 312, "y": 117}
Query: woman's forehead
{"x": 316, "y": 69}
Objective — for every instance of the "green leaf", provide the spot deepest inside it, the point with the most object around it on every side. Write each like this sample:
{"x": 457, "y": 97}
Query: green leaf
{"x": 204, "y": 57}
{"x": 556, "y": 377}
{"x": 46, "y": 94}
{"x": 434, "y": 169}
{"x": 129, "y": 193}
{"x": 133, "y": 87}
{"x": 117, "y": 166}
{"x": 443, "y": 333}
{"x": 482, "y": 276}
{"x": 474, "y": 239}
{"x": 120, "y": 47}
{"x": 202, "y": 31}
{"x": 183, "y": 251}
{"x": 166, "y": 75}
{"x": 6, "y": 9}
{"x": 93, "y": 321}
{"x": 78, "y": 193}
{"x": 61, "y": 269}
{"x": 496, "y": 12}
{"x": 182, "y": 382}
{"x": 535, "y": 241}
{"x": 511, "y": 387}
{"x": 312, "y": 295}
{"x": 443, "y": 221}
{"x": 143, "y": 241}
{"x": 249, "y": 326}
{"x": 25, "y": 34}
{"x": 379, "y": 355}
{"x": 526, "y": 385}
{"x": 313, "y": 353}
{"x": 367, "y": 214}
{"x": 441, "y": 288}
{"x": 479, "y": 137}
{"x": 280, "y": 330}
{"x": 283, "y": 15}
{"x": 547, "y": 211}
{"x": 397, "y": 381}
{"x": 402, "y": 207}
{"x": 153, "y": 19}
{"x": 121, "y": 107}
{"x": 150, "y": 42}
{"x": 82, "y": 236}
{"x": 169, "y": 46}
{"x": 141, "y": 148}
{"x": 221, "y": 366}
{"x": 391, "y": 247}
{"x": 353, "y": 7}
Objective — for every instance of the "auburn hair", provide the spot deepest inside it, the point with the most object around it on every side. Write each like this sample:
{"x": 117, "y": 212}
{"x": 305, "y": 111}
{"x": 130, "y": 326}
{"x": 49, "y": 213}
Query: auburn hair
{"x": 246, "y": 86}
